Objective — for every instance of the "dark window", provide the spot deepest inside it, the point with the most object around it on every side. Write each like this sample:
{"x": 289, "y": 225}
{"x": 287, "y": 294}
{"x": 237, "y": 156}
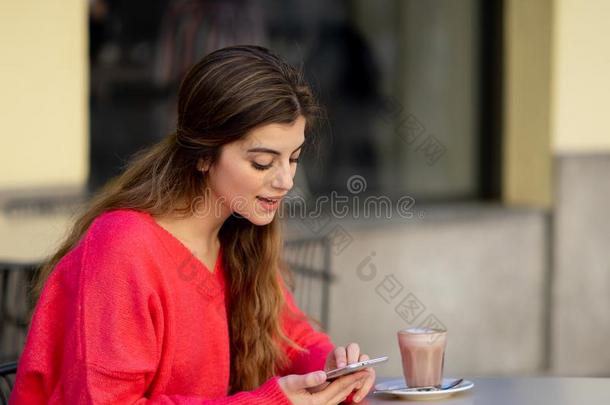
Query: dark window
{"x": 412, "y": 88}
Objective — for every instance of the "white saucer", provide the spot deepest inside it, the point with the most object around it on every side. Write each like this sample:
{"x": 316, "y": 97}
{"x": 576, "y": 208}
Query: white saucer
{"x": 392, "y": 389}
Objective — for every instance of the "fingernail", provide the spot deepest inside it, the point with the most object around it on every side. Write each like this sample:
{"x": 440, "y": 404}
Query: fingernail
{"x": 320, "y": 376}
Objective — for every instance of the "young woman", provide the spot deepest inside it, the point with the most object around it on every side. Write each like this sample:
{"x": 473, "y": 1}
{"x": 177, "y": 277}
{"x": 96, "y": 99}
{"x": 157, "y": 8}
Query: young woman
{"x": 168, "y": 290}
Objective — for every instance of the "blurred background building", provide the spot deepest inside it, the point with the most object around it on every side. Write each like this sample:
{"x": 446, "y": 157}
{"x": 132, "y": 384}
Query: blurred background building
{"x": 490, "y": 116}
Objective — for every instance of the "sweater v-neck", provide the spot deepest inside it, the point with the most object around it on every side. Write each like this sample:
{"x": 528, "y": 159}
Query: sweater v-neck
{"x": 187, "y": 257}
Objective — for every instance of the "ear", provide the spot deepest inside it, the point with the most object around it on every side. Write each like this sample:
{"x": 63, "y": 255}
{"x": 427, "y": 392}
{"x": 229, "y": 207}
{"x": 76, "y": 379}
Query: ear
{"x": 203, "y": 165}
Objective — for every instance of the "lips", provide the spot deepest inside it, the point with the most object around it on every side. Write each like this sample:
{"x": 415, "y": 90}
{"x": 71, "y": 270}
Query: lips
{"x": 269, "y": 199}
{"x": 268, "y": 203}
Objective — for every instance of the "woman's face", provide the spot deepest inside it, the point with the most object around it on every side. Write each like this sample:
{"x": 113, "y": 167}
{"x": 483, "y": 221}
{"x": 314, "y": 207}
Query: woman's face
{"x": 253, "y": 174}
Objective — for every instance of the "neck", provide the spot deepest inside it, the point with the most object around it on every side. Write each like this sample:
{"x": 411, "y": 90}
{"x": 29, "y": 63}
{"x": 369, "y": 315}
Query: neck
{"x": 199, "y": 230}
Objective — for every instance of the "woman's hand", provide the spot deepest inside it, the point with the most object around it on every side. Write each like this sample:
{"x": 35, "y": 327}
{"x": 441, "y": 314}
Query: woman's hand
{"x": 342, "y": 356}
{"x": 297, "y": 387}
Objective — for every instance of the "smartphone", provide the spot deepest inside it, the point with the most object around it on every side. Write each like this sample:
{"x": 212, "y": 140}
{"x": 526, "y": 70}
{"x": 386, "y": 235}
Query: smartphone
{"x": 352, "y": 368}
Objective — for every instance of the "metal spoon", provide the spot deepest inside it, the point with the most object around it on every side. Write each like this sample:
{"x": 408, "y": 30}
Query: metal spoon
{"x": 452, "y": 384}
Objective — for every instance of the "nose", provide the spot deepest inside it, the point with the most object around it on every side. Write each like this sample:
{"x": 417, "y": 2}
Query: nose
{"x": 283, "y": 178}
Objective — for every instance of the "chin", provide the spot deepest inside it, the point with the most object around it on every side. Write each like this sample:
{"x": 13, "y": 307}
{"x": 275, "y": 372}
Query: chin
{"x": 261, "y": 220}
{"x": 255, "y": 218}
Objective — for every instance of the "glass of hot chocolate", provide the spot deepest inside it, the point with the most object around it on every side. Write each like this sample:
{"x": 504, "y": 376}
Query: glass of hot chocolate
{"x": 423, "y": 356}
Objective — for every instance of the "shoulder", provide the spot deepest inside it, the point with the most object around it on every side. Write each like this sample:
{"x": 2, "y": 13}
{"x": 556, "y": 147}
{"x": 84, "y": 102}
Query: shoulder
{"x": 128, "y": 228}
{"x": 121, "y": 220}
{"x": 122, "y": 238}
{"x": 114, "y": 254}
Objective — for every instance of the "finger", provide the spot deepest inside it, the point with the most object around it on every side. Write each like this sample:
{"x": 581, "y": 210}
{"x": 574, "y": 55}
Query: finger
{"x": 296, "y": 382}
{"x": 318, "y": 388}
{"x": 366, "y": 386}
{"x": 340, "y": 356}
{"x": 339, "y": 389}
{"x": 347, "y": 387}
{"x": 353, "y": 351}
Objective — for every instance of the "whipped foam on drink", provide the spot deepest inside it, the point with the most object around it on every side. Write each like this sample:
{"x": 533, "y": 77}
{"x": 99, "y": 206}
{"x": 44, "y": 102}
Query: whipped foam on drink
{"x": 422, "y": 330}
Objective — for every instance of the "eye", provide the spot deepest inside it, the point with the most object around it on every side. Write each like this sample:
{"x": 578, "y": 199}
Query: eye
{"x": 258, "y": 166}
{"x": 294, "y": 160}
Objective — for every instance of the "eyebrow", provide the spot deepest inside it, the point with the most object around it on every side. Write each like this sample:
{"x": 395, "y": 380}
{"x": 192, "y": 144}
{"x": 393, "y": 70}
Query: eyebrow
{"x": 274, "y": 152}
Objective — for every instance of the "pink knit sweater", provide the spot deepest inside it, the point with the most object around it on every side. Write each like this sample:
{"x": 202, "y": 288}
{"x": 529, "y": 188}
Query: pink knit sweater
{"x": 130, "y": 316}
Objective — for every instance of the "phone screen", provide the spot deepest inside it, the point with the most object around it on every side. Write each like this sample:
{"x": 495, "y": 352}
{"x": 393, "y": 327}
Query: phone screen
{"x": 352, "y": 368}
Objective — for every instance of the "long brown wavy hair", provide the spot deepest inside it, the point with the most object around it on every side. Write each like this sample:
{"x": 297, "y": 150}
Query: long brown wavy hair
{"x": 224, "y": 96}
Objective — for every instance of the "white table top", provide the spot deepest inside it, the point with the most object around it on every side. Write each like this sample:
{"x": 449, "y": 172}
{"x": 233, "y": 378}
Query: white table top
{"x": 519, "y": 391}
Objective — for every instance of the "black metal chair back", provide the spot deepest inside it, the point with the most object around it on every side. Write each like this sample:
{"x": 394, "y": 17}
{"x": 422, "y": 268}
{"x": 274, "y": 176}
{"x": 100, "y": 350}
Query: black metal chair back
{"x": 309, "y": 260}
{"x": 7, "y": 380}
{"x": 15, "y": 305}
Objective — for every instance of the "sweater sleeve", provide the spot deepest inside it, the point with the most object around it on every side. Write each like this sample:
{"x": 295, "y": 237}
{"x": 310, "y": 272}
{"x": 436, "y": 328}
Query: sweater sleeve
{"x": 108, "y": 387}
{"x": 89, "y": 385}
{"x": 317, "y": 344}
{"x": 97, "y": 334}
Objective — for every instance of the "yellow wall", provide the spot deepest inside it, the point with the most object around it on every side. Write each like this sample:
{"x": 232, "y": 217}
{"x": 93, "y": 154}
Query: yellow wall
{"x": 557, "y": 82}
{"x": 581, "y": 76}
{"x": 43, "y": 93}
{"x": 527, "y": 66}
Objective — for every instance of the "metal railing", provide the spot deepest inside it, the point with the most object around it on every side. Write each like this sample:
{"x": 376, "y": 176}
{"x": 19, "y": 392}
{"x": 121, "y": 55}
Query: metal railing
{"x": 309, "y": 259}
{"x": 15, "y": 306}
{"x": 7, "y": 380}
